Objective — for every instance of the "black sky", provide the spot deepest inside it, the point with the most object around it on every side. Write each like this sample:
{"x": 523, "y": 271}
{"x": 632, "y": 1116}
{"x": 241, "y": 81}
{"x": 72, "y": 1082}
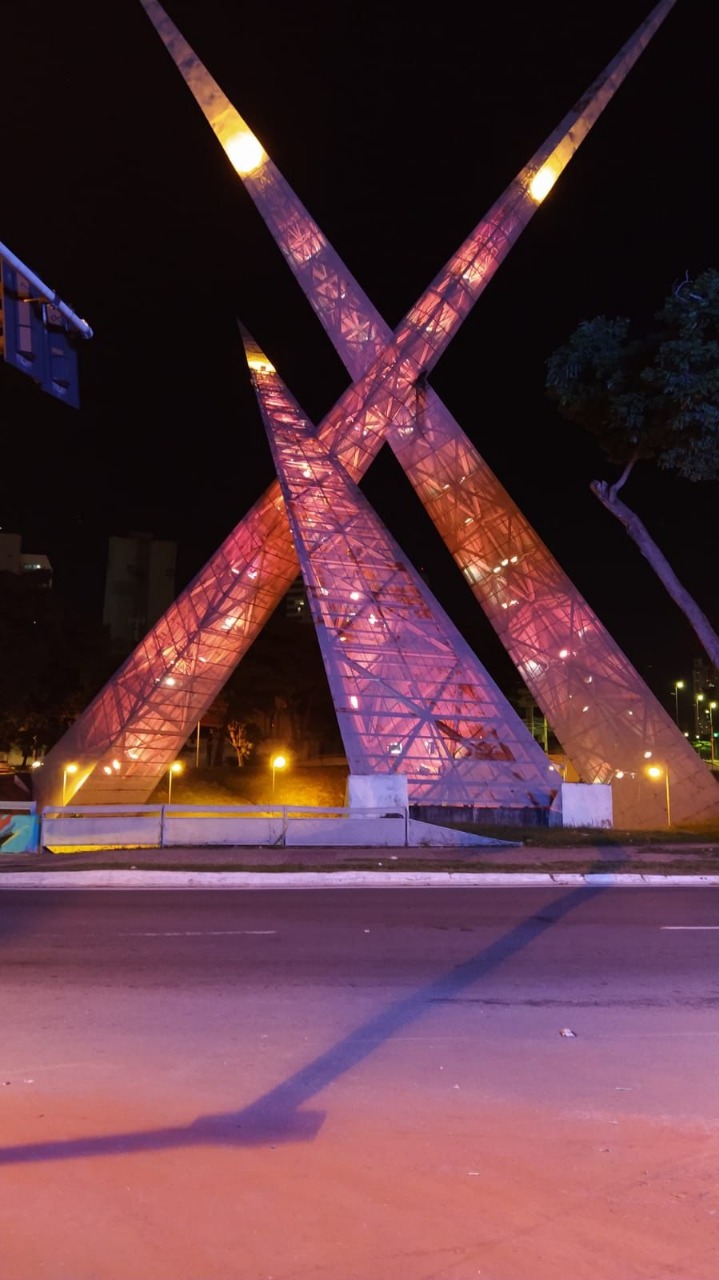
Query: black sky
{"x": 397, "y": 131}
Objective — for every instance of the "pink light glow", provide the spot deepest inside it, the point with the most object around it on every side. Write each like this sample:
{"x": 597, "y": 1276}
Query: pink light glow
{"x": 533, "y": 607}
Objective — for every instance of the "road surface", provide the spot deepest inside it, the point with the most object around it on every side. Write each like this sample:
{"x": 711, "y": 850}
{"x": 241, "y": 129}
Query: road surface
{"x": 346, "y": 1085}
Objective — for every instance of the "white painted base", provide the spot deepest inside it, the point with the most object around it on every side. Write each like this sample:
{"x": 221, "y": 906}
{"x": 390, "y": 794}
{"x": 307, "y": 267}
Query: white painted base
{"x": 586, "y": 804}
{"x": 376, "y": 791}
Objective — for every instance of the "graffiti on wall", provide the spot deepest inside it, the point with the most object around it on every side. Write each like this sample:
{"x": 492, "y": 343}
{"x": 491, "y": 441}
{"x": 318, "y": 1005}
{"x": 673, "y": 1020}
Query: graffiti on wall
{"x": 18, "y": 833}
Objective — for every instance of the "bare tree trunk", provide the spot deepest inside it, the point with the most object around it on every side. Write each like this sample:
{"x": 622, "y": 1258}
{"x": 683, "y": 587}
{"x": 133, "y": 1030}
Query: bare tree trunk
{"x": 218, "y": 746}
{"x": 639, "y": 534}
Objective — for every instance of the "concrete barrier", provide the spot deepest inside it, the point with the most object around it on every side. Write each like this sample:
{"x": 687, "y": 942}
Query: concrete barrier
{"x": 89, "y": 827}
{"x": 168, "y": 826}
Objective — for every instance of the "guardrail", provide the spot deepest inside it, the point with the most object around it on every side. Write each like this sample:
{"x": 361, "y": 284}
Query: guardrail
{"x": 88, "y": 827}
{"x": 81, "y": 827}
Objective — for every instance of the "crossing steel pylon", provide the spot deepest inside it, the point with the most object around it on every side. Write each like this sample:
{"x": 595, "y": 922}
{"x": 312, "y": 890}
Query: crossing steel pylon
{"x": 607, "y": 720}
{"x": 409, "y": 694}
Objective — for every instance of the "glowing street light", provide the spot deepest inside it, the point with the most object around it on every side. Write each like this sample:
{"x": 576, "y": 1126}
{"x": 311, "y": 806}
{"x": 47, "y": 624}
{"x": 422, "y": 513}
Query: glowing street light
{"x": 69, "y": 769}
{"x": 658, "y": 771}
{"x": 712, "y": 709}
{"x": 678, "y": 684}
{"x": 175, "y": 767}
{"x": 277, "y": 762}
{"x": 699, "y": 698}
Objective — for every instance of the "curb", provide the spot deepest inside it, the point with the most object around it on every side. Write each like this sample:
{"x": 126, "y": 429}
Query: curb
{"x": 341, "y": 880}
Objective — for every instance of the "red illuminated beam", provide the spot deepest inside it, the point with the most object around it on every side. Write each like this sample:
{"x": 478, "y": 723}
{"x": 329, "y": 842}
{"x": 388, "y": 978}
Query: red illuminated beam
{"x": 606, "y": 718}
{"x": 355, "y": 327}
{"x": 410, "y": 695}
{"x": 160, "y": 690}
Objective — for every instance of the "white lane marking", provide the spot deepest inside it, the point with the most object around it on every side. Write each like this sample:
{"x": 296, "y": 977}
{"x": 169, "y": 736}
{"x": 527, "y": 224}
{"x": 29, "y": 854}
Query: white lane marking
{"x": 46, "y": 1066}
{"x": 203, "y": 933}
{"x": 687, "y": 928}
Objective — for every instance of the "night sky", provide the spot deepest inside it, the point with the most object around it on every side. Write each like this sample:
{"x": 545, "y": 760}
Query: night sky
{"x": 397, "y": 132}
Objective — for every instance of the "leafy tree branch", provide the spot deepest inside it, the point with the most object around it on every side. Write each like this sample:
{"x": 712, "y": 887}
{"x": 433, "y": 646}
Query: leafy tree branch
{"x": 650, "y": 398}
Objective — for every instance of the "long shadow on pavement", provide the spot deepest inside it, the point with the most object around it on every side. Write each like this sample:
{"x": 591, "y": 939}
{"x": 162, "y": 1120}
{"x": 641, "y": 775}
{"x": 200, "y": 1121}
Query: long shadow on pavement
{"x": 277, "y": 1116}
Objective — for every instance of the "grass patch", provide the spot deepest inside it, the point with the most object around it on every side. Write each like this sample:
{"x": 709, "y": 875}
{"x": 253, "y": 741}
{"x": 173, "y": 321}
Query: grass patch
{"x": 600, "y": 837}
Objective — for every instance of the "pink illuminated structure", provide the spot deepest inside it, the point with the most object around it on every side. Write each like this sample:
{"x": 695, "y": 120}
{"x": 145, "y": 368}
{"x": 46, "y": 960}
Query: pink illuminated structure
{"x": 410, "y": 695}
{"x": 609, "y": 723}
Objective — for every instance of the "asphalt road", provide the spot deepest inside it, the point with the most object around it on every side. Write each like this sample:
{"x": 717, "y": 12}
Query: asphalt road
{"x": 323, "y": 1083}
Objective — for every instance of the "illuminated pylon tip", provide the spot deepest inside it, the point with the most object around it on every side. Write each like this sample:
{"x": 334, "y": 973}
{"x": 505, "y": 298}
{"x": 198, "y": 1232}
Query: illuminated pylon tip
{"x": 255, "y": 356}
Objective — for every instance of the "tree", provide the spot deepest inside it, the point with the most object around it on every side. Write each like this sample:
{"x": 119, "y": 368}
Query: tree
{"x": 279, "y": 692}
{"x": 281, "y": 686}
{"x": 650, "y": 398}
{"x": 239, "y": 734}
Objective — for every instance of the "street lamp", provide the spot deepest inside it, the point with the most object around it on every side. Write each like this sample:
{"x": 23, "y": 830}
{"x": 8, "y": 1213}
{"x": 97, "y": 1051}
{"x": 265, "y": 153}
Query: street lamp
{"x": 277, "y": 762}
{"x": 678, "y": 684}
{"x": 69, "y": 769}
{"x": 656, "y": 771}
{"x": 712, "y": 709}
{"x": 699, "y": 698}
{"x": 175, "y": 767}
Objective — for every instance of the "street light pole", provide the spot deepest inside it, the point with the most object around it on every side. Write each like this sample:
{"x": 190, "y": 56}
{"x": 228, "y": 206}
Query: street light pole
{"x": 656, "y": 771}
{"x": 699, "y": 698}
{"x": 678, "y": 684}
{"x": 69, "y": 768}
{"x": 175, "y": 767}
{"x": 278, "y": 762}
{"x": 712, "y": 757}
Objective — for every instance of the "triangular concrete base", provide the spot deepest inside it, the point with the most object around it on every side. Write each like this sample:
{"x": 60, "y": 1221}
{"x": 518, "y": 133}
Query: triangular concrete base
{"x": 425, "y": 834}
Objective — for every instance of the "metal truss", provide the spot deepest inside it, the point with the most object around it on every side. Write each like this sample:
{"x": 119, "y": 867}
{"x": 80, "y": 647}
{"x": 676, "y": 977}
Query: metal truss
{"x": 410, "y": 695}
{"x": 543, "y": 622}
{"x": 129, "y": 734}
{"x": 608, "y": 721}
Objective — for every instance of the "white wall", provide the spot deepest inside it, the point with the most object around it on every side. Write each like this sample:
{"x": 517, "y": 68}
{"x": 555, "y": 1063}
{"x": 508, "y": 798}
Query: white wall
{"x": 586, "y": 804}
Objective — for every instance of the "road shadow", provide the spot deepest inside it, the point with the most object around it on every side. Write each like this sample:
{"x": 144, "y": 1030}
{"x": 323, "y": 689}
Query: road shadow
{"x": 278, "y": 1115}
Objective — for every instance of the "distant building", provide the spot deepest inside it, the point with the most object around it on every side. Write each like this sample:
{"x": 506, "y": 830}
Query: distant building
{"x": 139, "y": 586}
{"x": 296, "y": 602}
{"x": 705, "y": 697}
{"x": 14, "y": 560}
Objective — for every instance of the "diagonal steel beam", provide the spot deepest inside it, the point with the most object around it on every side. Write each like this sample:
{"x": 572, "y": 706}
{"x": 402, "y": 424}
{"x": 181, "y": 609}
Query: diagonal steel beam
{"x": 401, "y": 361}
{"x": 410, "y": 696}
{"x": 556, "y": 641}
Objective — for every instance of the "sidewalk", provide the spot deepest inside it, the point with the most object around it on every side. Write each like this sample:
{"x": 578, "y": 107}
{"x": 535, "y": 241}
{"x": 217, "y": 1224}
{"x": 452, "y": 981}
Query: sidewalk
{"x": 339, "y": 867}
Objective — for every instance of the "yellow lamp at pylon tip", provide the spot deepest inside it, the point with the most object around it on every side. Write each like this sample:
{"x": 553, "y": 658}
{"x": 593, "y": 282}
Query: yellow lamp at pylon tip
{"x": 260, "y": 365}
{"x": 542, "y": 183}
{"x": 244, "y": 152}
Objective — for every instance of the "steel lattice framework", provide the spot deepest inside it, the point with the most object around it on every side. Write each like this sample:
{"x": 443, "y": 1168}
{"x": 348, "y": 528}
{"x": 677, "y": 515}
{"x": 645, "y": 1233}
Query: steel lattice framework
{"x": 410, "y": 695}
{"x": 602, "y": 712}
